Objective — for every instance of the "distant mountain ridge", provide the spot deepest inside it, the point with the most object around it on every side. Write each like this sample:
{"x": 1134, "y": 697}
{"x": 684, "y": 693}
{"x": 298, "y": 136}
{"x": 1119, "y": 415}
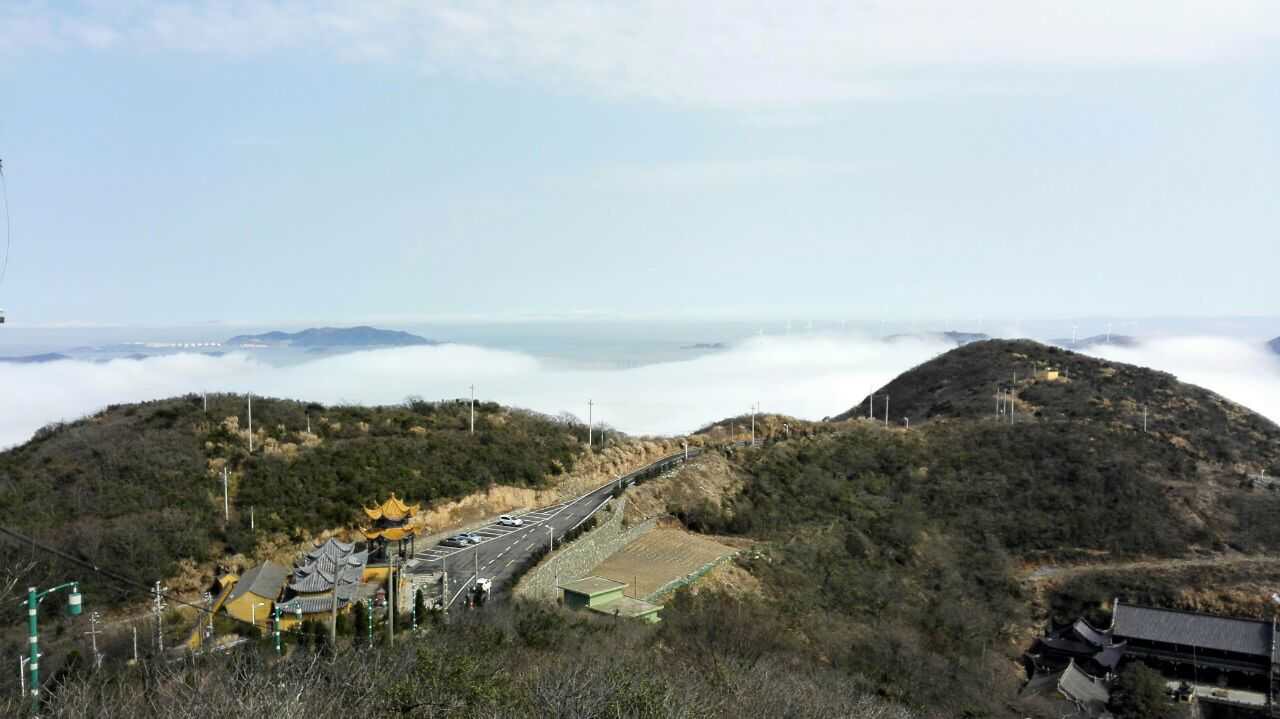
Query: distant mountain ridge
{"x": 1094, "y": 341}
{"x": 1275, "y": 345}
{"x": 35, "y": 359}
{"x": 959, "y": 339}
{"x": 362, "y": 336}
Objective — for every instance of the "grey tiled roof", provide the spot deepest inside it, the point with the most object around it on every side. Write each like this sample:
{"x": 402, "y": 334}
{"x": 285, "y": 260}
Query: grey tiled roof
{"x": 264, "y": 580}
{"x": 315, "y": 604}
{"x": 1082, "y": 689}
{"x": 1205, "y": 631}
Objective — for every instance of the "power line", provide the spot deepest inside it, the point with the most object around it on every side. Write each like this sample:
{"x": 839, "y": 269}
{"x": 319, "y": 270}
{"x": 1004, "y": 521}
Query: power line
{"x": 149, "y": 589}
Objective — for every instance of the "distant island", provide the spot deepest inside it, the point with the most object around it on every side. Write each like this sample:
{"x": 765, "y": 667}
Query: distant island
{"x": 320, "y": 337}
{"x": 959, "y": 339}
{"x": 35, "y": 359}
{"x": 1095, "y": 341}
{"x": 705, "y": 346}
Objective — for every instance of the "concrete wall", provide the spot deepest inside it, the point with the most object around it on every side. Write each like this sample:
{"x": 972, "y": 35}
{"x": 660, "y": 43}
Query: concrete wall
{"x": 579, "y": 557}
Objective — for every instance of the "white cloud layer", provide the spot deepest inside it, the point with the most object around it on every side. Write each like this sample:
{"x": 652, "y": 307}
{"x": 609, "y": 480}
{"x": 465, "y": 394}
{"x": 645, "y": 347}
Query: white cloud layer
{"x": 810, "y": 376}
{"x": 750, "y": 52}
{"x": 1243, "y": 372}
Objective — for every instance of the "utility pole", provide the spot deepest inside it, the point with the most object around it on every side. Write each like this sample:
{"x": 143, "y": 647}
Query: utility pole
{"x": 93, "y": 633}
{"x": 686, "y": 450}
{"x": 135, "y": 644}
{"x": 250, "y": 424}
{"x": 551, "y": 543}
{"x": 368, "y": 612}
{"x": 1144, "y": 419}
{"x": 473, "y": 409}
{"x": 308, "y": 423}
{"x": 252, "y": 527}
{"x": 754, "y": 407}
{"x": 205, "y": 396}
{"x": 886, "y": 410}
{"x": 226, "y": 503}
{"x": 590, "y": 420}
{"x": 333, "y": 605}
{"x": 158, "y": 607}
{"x": 871, "y": 401}
{"x": 34, "y": 595}
{"x": 444, "y": 586}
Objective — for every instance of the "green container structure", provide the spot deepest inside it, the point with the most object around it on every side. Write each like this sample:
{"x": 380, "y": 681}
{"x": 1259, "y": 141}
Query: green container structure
{"x": 75, "y": 600}
{"x": 608, "y": 597}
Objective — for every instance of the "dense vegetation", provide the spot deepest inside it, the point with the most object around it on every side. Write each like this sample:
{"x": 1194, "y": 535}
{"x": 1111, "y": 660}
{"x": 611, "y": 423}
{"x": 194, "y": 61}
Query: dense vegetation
{"x": 709, "y": 659}
{"x": 138, "y": 487}
{"x": 964, "y": 382}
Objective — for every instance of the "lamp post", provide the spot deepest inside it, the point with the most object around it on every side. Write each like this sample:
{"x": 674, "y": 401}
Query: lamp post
{"x": 34, "y": 596}
{"x": 275, "y": 612}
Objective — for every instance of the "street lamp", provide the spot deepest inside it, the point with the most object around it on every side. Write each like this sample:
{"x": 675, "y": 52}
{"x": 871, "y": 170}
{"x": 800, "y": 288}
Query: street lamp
{"x": 34, "y": 597}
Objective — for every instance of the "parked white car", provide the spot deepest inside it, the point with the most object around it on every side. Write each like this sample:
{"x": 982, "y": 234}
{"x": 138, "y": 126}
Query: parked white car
{"x": 507, "y": 520}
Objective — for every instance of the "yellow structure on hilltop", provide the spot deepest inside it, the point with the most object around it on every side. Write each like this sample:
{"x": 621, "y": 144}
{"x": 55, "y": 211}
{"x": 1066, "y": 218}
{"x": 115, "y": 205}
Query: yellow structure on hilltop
{"x": 1047, "y": 375}
{"x": 391, "y": 526}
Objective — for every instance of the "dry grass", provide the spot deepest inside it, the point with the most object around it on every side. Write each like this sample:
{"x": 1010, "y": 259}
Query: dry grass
{"x": 659, "y": 557}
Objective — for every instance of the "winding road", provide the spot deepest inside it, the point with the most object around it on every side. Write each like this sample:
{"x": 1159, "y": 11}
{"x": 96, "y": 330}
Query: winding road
{"x": 504, "y": 549}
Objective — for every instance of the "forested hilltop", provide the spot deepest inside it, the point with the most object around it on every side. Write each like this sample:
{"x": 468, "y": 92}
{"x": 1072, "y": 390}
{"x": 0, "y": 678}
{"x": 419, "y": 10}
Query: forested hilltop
{"x": 137, "y": 487}
{"x": 907, "y": 556}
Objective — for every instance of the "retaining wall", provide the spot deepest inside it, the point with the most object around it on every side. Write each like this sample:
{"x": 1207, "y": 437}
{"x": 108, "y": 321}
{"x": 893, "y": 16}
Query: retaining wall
{"x": 579, "y": 557}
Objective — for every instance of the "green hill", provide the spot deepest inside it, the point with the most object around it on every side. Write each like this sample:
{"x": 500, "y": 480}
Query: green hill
{"x": 899, "y": 555}
{"x": 138, "y": 487}
{"x": 964, "y": 383}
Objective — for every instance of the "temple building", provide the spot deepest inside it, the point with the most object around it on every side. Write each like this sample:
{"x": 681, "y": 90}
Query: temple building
{"x": 391, "y": 533}
{"x": 332, "y": 569}
{"x": 254, "y": 595}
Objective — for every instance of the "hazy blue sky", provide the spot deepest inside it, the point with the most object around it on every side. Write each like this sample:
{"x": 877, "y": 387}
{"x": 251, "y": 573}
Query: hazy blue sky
{"x": 200, "y": 160}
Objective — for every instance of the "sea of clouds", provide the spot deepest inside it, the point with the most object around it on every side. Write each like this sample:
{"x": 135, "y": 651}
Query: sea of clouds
{"x": 810, "y": 376}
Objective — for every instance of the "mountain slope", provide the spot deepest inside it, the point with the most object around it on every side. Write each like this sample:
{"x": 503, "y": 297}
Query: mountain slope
{"x": 139, "y": 486}
{"x": 316, "y": 337}
{"x": 964, "y": 383}
{"x": 1275, "y": 345}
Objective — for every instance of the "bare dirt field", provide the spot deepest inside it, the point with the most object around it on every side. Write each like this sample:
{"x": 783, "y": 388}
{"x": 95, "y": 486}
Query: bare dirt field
{"x": 659, "y": 557}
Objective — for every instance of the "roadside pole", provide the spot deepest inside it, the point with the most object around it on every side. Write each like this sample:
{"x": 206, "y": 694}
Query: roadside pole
{"x": 391, "y": 598}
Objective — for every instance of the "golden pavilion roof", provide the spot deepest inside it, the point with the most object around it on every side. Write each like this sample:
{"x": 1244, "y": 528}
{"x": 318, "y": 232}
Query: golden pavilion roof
{"x": 392, "y": 510}
{"x": 391, "y": 534}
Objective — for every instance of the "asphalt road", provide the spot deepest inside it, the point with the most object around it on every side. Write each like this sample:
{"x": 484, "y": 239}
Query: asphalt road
{"x": 504, "y": 549}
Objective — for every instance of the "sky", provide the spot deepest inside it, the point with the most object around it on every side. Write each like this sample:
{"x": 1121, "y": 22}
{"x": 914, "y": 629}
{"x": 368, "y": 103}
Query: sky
{"x": 276, "y": 160}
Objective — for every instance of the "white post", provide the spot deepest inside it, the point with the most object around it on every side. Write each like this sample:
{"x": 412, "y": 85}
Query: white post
{"x": 473, "y": 409}
{"x": 590, "y": 420}
{"x": 1144, "y": 418}
{"x": 226, "y": 503}
{"x": 886, "y": 410}
{"x": 205, "y": 396}
{"x": 551, "y": 541}
{"x": 871, "y": 402}
{"x": 135, "y": 644}
{"x": 908, "y": 421}
{"x": 93, "y": 637}
{"x": 250, "y": 424}
{"x": 252, "y": 527}
{"x": 22, "y": 677}
{"x": 391, "y": 598}
{"x": 753, "y": 423}
{"x": 686, "y": 450}
{"x": 308, "y": 424}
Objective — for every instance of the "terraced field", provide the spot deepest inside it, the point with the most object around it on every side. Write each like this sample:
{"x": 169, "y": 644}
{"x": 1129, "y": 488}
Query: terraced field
{"x": 659, "y": 558}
